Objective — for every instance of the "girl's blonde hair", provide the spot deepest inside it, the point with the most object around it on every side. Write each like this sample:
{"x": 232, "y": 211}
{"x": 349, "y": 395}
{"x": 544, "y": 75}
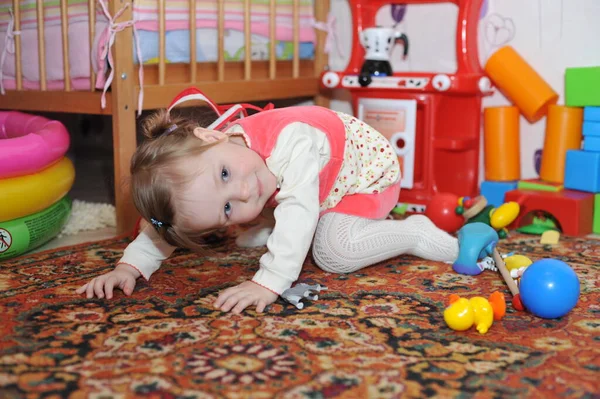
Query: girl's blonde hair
{"x": 155, "y": 175}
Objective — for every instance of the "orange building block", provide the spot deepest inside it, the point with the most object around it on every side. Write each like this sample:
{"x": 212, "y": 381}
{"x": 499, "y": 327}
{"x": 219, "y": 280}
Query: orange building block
{"x": 573, "y": 210}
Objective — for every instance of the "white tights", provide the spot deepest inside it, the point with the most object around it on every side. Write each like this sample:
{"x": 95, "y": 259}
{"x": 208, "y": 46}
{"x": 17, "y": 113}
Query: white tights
{"x": 345, "y": 243}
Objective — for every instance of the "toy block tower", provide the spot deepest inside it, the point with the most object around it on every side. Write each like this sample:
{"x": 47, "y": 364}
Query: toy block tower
{"x": 582, "y": 169}
{"x": 563, "y": 164}
{"x": 502, "y": 153}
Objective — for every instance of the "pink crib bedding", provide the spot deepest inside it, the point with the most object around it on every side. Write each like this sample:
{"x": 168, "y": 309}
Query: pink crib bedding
{"x": 145, "y": 15}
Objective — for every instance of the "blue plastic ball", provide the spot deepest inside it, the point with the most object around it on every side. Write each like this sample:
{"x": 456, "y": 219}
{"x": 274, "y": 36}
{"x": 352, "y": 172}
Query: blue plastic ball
{"x": 549, "y": 288}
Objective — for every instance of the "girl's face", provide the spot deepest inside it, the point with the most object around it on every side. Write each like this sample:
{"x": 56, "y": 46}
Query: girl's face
{"x": 231, "y": 185}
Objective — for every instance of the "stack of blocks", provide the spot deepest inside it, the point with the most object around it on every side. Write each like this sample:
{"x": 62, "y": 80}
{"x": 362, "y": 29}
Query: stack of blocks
{"x": 582, "y": 167}
{"x": 576, "y": 206}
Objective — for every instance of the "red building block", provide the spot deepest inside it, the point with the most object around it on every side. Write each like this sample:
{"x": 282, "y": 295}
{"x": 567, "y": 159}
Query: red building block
{"x": 573, "y": 210}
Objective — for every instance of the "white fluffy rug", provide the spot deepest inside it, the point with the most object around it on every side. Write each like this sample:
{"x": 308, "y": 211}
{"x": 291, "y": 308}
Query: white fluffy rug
{"x": 86, "y": 216}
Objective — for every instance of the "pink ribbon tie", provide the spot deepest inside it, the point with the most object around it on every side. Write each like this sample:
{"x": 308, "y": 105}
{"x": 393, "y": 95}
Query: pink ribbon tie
{"x": 9, "y": 46}
{"x": 332, "y": 36}
{"x": 114, "y": 28}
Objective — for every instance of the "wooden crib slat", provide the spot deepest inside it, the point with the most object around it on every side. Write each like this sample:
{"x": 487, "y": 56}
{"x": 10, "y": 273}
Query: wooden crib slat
{"x": 92, "y": 34}
{"x": 321, "y": 59}
{"x": 296, "y": 59}
{"x": 192, "y": 41}
{"x": 221, "y": 40}
{"x": 248, "y": 43}
{"x": 123, "y": 106}
{"x": 41, "y": 47}
{"x": 64, "y": 27}
{"x": 161, "y": 43}
{"x": 272, "y": 54}
{"x": 17, "y": 27}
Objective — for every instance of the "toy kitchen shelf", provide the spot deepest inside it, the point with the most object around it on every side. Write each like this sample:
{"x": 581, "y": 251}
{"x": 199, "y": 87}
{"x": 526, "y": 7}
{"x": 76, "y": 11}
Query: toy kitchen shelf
{"x": 431, "y": 119}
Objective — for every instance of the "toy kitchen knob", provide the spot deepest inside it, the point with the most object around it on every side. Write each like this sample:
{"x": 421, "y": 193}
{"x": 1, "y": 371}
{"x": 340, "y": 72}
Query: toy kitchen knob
{"x": 330, "y": 79}
{"x": 485, "y": 84}
{"x": 441, "y": 82}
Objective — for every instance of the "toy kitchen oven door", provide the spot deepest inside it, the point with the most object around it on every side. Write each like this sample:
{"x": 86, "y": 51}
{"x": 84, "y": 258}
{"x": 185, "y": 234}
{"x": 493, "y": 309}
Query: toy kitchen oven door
{"x": 431, "y": 119}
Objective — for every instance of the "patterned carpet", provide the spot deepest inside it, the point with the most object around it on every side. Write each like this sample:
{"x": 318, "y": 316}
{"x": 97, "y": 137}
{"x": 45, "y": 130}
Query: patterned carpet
{"x": 376, "y": 334}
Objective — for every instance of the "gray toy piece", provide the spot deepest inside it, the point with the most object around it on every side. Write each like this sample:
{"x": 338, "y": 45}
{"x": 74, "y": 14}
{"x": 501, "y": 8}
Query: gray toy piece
{"x": 295, "y": 294}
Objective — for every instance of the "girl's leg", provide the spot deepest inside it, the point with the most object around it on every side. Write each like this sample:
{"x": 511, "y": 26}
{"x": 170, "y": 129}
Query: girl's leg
{"x": 345, "y": 243}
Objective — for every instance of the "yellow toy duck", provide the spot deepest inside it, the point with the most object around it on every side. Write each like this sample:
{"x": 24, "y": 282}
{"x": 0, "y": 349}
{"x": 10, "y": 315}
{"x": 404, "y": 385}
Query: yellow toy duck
{"x": 463, "y": 313}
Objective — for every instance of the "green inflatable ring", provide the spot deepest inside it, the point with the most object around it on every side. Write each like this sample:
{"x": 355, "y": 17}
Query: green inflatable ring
{"x": 21, "y": 235}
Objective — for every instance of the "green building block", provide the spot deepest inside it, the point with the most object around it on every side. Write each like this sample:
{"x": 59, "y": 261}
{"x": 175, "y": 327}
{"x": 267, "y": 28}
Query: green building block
{"x": 597, "y": 214}
{"x": 582, "y": 87}
{"x": 539, "y": 185}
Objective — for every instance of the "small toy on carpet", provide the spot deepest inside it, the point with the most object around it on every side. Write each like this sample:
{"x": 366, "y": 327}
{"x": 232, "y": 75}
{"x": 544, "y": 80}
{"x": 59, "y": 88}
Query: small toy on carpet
{"x": 295, "y": 294}
{"x": 549, "y": 288}
{"x": 463, "y": 313}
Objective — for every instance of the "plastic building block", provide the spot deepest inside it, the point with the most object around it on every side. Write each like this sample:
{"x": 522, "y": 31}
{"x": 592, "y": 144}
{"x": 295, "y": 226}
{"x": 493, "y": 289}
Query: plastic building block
{"x": 520, "y": 83}
{"x": 494, "y": 191}
{"x": 573, "y": 210}
{"x": 591, "y": 114}
{"x": 591, "y": 128}
{"x": 582, "y": 86}
{"x": 540, "y": 185}
{"x": 550, "y": 237}
{"x": 582, "y": 171}
{"x": 597, "y": 214}
{"x": 591, "y": 143}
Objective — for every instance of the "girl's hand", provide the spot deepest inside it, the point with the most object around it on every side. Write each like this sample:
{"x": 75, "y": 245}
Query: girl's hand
{"x": 241, "y": 296}
{"x": 122, "y": 277}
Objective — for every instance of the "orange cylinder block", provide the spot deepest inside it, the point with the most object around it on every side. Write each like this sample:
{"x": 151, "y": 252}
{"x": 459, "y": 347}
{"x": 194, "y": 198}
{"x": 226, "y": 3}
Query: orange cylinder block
{"x": 563, "y": 132}
{"x": 520, "y": 83}
{"x": 502, "y": 147}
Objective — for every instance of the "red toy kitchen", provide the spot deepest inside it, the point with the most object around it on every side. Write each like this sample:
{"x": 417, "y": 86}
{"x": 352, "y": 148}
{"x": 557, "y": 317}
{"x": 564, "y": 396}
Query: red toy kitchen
{"x": 431, "y": 119}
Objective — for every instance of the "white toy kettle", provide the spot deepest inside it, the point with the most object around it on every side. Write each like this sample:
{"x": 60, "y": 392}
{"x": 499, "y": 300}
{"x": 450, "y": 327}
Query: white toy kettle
{"x": 378, "y": 43}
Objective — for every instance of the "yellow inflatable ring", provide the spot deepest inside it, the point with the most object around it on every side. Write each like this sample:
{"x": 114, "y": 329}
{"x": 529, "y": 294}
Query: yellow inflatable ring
{"x": 24, "y": 195}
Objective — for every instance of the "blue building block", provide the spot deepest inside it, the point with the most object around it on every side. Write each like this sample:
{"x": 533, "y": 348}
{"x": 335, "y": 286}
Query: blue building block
{"x": 591, "y": 143}
{"x": 591, "y": 128}
{"x": 591, "y": 114}
{"x": 494, "y": 191}
{"x": 582, "y": 171}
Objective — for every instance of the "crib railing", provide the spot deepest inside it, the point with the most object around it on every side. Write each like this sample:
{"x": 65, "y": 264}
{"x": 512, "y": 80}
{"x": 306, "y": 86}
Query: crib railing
{"x": 234, "y": 81}
{"x": 296, "y": 76}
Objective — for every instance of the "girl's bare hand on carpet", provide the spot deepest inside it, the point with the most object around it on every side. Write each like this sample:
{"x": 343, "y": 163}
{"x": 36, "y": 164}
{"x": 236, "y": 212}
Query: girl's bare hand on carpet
{"x": 246, "y": 294}
{"x": 123, "y": 277}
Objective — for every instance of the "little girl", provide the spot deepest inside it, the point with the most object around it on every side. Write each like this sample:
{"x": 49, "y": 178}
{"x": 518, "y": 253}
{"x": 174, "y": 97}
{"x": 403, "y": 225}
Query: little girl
{"x": 329, "y": 179}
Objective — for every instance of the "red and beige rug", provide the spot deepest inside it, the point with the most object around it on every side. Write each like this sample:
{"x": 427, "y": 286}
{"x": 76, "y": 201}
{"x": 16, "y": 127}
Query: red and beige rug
{"x": 375, "y": 334}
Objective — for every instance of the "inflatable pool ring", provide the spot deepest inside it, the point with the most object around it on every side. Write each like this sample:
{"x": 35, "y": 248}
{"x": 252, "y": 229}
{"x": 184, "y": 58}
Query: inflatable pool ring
{"x": 25, "y": 195}
{"x": 29, "y": 143}
{"x": 21, "y": 235}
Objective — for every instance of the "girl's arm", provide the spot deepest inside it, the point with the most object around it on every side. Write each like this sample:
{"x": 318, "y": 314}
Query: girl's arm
{"x": 146, "y": 252}
{"x": 296, "y": 160}
{"x": 141, "y": 258}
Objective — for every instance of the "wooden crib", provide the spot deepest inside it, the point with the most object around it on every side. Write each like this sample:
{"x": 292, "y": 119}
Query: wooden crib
{"x": 225, "y": 82}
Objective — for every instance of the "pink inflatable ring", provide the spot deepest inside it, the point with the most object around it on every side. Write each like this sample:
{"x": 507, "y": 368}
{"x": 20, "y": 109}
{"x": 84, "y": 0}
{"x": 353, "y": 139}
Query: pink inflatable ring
{"x": 29, "y": 143}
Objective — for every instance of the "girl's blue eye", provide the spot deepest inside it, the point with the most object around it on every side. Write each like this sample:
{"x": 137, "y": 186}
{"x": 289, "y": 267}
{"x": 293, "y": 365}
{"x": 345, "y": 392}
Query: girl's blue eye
{"x": 227, "y": 209}
{"x": 224, "y": 174}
